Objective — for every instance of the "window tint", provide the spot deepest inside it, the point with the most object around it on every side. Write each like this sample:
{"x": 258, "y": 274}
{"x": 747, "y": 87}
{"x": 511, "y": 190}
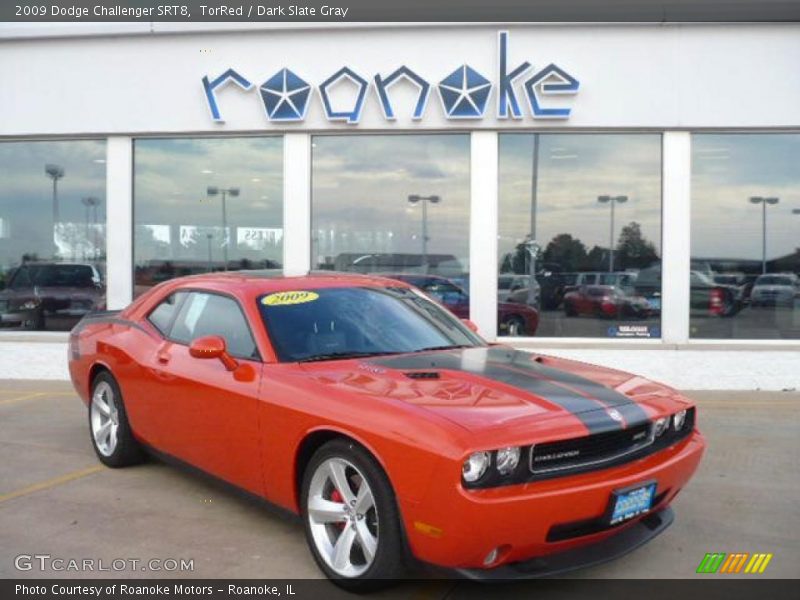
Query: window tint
{"x": 212, "y": 314}
{"x": 161, "y": 317}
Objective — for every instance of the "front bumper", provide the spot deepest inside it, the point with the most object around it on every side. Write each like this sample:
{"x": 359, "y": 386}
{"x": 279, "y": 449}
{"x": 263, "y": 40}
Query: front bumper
{"x": 612, "y": 548}
{"x": 455, "y": 528}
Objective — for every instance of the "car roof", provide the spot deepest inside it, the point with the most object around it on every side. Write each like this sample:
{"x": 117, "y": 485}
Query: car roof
{"x": 267, "y": 279}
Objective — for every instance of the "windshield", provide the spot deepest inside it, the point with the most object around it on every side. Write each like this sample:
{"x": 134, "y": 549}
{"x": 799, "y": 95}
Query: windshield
{"x": 773, "y": 280}
{"x": 331, "y": 323}
{"x": 53, "y": 276}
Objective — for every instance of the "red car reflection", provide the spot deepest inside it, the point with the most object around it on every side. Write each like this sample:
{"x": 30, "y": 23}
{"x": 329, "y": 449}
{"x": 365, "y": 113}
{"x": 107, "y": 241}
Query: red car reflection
{"x": 605, "y": 301}
{"x": 513, "y": 319}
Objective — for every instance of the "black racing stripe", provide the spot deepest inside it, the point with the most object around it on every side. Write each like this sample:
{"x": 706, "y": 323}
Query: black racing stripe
{"x": 630, "y": 410}
{"x": 502, "y": 366}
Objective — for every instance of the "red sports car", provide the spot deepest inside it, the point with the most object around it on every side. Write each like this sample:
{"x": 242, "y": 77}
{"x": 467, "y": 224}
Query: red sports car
{"x": 605, "y": 301}
{"x": 387, "y": 424}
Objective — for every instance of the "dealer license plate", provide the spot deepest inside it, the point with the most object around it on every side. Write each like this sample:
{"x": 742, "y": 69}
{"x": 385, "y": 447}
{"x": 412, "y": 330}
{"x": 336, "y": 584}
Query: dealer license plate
{"x": 631, "y": 502}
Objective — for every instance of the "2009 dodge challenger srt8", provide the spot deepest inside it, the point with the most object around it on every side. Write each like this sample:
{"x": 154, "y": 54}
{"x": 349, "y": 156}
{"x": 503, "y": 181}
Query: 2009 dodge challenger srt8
{"x": 392, "y": 428}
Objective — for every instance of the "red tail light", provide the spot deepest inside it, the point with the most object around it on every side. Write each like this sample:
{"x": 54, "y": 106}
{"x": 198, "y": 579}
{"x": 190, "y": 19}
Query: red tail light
{"x": 716, "y": 302}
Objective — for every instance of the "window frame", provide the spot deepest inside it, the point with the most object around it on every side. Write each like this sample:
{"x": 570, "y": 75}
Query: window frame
{"x": 257, "y": 357}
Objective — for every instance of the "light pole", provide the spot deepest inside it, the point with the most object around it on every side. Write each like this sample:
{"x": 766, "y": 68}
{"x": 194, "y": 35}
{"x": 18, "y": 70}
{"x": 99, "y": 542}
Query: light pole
{"x": 225, "y": 192}
{"x": 91, "y": 203}
{"x": 54, "y": 172}
{"x": 414, "y": 199}
{"x": 613, "y": 201}
{"x": 208, "y": 238}
{"x": 763, "y": 202}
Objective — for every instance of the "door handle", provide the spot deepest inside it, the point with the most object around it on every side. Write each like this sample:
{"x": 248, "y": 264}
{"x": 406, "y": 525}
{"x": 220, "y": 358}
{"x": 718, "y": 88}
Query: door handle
{"x": 163, "y": 358}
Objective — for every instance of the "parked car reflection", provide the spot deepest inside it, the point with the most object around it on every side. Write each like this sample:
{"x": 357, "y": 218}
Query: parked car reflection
{"x": 51, "y": 295}
{"x": 514, "y": 319}
{"x": 517, "y": 288}
{"x": 606, "y": 301}
{"x": 779, "y": 289}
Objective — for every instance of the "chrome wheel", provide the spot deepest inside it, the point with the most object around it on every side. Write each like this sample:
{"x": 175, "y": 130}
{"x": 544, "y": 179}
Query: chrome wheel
{"x": 104, "y": 418}
{"x": 343, "y": 517}
{"x": 515, "y": 327}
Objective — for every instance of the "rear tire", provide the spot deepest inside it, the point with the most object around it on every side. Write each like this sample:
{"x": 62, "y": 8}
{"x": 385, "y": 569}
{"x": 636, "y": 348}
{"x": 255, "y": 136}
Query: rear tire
{"x": 515, "y": 326}
{"x": 351, "y": 519}
{"x": 109, "y": 429}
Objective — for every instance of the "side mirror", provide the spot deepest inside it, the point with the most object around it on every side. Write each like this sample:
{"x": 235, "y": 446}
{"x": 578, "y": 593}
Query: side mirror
{"x": 470, "y": 325}
{"x": 212, "y": 346}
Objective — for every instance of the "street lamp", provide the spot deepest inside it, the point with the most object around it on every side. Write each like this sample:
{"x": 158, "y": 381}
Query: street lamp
{"x": 763, "y": 202}
{"x": 613, "y": 201}
{"x": 91, "y": 203}
{"x": 415, "y": 199}
{"x": 54, "y": 172}
{"x": 225, "y": 192}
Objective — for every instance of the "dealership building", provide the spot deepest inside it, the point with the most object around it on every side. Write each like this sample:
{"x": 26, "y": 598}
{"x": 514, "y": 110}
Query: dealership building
{"x": 627, "y": 194}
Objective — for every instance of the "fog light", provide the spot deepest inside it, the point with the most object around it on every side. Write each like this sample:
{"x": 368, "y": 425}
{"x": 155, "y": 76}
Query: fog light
{"x": 661, "y": 426}
{"x": 507, "y": 460}
{"x": 475, "y": 466}
{"x": 679, "y": 420}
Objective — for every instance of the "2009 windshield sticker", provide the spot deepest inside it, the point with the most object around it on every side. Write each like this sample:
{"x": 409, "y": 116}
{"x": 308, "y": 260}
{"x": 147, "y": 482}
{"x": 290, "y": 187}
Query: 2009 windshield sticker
{"x": 287, "y": 298}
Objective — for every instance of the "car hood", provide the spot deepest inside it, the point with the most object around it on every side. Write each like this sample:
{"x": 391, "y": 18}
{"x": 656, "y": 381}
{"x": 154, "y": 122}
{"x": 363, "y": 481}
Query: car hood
{"x": 500, "y": 388}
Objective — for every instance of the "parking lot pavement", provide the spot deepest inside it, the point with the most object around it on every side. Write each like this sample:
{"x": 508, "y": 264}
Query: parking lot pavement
{"x": 56, "y": 499}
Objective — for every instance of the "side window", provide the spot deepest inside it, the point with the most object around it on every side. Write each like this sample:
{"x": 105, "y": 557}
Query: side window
{"x": 162, "y": 315}
{"x": 211, "y": 314}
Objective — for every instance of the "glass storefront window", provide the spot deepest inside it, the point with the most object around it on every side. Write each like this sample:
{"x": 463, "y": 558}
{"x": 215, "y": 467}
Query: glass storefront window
{"x": 745, "y": 278}
{"x": 395, "y": 205}
{"x": 52, "y": 233}
{"x": 206, "y": 204}
{"x": 580, "y": 235}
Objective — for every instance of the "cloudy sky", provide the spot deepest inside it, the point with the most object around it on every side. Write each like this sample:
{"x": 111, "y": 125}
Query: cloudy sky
{"x": 360, "y": 189}
{"x": 574, "y": 169}
{"x": 360, "y": 186}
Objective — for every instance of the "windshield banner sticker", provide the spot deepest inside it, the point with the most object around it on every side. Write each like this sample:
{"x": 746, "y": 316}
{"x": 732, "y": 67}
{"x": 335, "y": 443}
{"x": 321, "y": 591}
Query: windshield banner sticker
{"x": 287, "y": 298}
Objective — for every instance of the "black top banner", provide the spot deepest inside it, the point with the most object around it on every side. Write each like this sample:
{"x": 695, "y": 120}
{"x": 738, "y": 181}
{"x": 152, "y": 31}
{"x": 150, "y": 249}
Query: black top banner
{"x": 629, "y": 11}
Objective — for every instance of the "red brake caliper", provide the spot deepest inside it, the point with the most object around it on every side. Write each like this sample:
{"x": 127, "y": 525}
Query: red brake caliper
{"x": 337, "y": 497}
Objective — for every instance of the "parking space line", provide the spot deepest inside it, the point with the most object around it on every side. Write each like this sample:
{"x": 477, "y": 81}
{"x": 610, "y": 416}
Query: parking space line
{"x": 29, "y": 396}
{"x": 50, "y": 483}
{"x": 34, "y": 396}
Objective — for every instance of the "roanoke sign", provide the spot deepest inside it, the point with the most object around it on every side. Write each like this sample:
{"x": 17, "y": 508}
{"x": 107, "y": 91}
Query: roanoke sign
{"x": 464, "y": 93}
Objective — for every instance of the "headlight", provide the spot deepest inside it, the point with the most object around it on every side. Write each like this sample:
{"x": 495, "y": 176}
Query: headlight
{"x": 475, "y": 466}
{"x": 30, "y": 305}
{"x": 679, "y": 419}
{"x": 507, "y": 460}
{"x": 661, "y": 426}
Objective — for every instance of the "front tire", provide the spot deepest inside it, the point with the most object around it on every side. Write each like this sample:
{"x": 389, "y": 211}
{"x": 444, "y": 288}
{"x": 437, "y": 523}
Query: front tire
{"x": 351, "y": 519}
{"x": 112, "y": 438}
